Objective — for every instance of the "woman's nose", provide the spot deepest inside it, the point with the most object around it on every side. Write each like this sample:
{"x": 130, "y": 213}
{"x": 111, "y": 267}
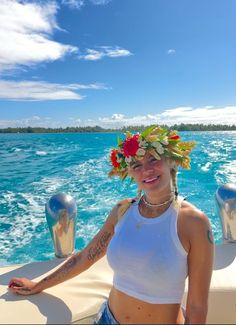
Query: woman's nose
{"x": 148, "y": 167}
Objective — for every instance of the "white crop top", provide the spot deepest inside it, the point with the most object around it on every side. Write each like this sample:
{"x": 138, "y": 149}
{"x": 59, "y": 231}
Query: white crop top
{"x": 147, "y": 257}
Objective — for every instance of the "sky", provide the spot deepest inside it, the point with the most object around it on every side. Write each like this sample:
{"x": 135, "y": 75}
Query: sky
{"x": 116, "y": 63}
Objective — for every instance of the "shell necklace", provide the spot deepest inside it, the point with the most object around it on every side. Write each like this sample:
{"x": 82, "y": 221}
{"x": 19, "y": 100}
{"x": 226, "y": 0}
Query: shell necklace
{"x": 152, "y": 205}
{"x": 140, "y": 223}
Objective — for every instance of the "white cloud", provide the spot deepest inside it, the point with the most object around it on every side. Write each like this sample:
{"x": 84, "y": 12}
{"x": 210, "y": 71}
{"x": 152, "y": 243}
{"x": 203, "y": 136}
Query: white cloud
{"x": 25, "y": 31}
{"x": 104, "y": 51}
{"x": 34, "y": 121}
{"x": 92, "y": 55}
{"x": 119, "y": 120}
{"x": 177, "y": 110}
{"x": 73, "y": 4}
{"x": 205, "y": 115}
{"x": 78, "y": 4}
{"x": 40, "y": 90}
{"x": 117, "y": 117}
{"x": 46, "y": 122}
{"x": 100, "y": 2}
{"x": 171, "y": 51}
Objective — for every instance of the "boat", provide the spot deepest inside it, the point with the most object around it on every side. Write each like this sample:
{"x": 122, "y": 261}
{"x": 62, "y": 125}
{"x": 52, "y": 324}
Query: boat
{"x": 77, "y": 301}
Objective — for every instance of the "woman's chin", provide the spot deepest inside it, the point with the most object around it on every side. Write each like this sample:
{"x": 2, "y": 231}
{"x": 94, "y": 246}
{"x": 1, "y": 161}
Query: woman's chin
{"x": 152, "y": 186}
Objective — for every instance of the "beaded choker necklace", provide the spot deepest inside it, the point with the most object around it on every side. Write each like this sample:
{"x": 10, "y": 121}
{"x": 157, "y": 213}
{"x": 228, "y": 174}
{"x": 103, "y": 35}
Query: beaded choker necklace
{"x": 156, "y": 205}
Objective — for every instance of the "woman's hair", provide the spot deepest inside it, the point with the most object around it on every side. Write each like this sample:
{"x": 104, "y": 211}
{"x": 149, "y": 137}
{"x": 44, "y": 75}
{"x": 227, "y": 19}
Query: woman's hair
{"x": 173, "y": 173}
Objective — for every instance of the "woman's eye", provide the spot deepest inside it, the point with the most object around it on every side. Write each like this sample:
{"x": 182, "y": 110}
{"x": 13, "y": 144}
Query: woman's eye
{"x": 135, "y": 167}
{"x": 153, "y": 160}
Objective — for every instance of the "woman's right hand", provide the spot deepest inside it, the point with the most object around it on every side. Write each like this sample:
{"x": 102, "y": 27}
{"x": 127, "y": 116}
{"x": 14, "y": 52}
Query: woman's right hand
{"x": 22, "y": 286}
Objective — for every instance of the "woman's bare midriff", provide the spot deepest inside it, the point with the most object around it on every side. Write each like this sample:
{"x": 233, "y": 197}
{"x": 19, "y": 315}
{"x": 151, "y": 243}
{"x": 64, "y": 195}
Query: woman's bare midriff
{"x": 129, "y": 310}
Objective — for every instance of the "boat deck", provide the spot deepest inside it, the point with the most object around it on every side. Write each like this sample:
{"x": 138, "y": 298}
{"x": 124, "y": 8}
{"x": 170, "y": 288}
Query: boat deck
{"x": 77, "y": 300}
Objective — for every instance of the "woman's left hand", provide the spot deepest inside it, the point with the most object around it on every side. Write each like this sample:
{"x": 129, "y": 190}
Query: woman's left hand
{"x": 22, "y": 286}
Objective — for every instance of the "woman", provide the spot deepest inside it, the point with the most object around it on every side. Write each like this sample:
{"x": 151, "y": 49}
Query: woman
{"x": 152, "y": 243}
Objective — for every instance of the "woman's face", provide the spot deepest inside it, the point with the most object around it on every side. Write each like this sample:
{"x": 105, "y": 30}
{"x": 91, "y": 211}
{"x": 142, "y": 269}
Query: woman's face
{"x": 151, "y": 174}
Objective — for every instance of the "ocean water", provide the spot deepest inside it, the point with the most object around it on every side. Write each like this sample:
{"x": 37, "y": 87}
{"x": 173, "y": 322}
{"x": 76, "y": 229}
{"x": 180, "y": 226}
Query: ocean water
{"x": 33, "y": 167}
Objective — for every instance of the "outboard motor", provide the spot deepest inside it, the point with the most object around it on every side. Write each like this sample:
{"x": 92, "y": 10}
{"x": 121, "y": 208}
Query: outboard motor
{"x": 61, "y": 213}
{"x": 226, "y": 203}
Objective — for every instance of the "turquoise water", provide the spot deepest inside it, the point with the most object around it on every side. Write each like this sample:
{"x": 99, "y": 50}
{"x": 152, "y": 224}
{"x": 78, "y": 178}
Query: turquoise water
{"x": 36, "y": 166}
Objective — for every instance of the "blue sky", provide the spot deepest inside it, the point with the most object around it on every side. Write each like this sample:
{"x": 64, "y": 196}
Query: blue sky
{"x": 117, "y": 62}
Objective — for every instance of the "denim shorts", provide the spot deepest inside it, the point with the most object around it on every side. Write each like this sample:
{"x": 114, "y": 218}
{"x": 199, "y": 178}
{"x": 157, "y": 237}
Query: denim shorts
{"x": 105, "y": 316}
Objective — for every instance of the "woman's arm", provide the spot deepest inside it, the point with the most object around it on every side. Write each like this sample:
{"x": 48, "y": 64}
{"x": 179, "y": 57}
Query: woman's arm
{"x": 76, "y": 264}
{"x": 200, "y": 263}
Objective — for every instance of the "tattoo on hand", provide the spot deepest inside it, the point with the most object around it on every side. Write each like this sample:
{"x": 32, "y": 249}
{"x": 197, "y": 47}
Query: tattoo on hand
{"x": 210, "y": 237}
{"x": 24, "y": 289}
{"x": 99, "y": 248}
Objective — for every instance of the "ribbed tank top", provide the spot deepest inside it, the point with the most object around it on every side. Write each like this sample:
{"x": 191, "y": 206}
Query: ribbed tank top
{"x": 147, "y": 257}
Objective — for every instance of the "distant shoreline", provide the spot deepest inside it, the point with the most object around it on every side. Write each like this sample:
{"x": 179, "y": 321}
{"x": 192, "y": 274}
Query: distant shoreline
{"x": 98, "y": 129}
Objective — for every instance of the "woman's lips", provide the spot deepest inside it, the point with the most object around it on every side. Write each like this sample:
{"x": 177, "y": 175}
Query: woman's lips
{"x": 151, "y": 180}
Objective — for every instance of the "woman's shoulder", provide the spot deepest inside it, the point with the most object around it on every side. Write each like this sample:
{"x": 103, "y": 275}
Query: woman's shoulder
{"x": 192, "y": 218}
{"x": 190, "y": 210}
{"x": 123, "y": 206}
{"x": 119, "y": 210}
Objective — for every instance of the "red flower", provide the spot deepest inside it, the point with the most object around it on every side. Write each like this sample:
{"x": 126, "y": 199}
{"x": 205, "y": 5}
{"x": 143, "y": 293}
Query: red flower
{"x": 174, "y": 137}
{"x": 114, "y": 158}
{"x": 131, "y": 146}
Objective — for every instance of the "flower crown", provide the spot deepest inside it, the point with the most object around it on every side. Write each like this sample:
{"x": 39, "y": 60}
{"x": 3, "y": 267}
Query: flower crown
{"x": 157, "y": 141}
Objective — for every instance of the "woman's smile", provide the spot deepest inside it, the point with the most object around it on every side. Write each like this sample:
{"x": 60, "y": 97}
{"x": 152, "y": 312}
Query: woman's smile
{"x": 151, "y": 180}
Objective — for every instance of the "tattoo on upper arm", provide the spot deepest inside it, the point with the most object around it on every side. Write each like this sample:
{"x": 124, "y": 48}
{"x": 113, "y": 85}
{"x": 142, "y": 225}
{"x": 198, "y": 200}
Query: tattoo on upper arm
{"x": 102, "y": 243}
{"x": 210, "y": 236}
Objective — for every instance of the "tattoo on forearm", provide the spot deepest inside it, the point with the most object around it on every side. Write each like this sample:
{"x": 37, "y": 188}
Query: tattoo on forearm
{"x": 210, "y": 236}
{"x": 66, "y": 268}
{"x": 99, "y": 248}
